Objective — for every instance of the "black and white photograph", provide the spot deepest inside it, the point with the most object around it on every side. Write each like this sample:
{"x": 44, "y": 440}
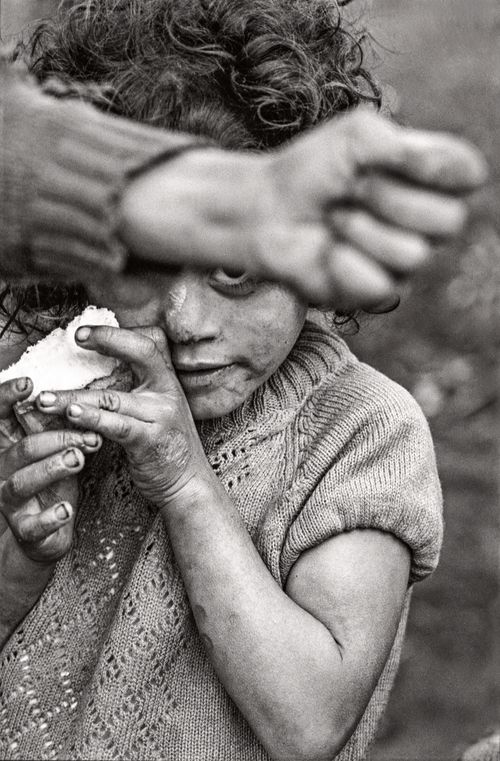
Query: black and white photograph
{"x": 249, "y": 380}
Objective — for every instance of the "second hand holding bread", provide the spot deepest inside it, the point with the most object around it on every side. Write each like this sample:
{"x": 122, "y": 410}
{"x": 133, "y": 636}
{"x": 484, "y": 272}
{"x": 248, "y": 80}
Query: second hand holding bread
{"x": 57, "y": 363}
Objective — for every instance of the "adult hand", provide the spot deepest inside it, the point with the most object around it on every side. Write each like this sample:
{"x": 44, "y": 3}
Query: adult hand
{"x": 38, "y": 485}
{"x": 153, "y": 423}
{"x": 339, "y": 214}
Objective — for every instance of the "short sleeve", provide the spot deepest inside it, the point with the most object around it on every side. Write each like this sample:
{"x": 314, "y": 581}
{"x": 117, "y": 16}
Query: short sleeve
{"x": 383, "y": 477}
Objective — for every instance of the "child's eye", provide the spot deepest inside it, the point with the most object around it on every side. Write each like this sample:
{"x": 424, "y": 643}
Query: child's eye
{"x": 238, "y": 282}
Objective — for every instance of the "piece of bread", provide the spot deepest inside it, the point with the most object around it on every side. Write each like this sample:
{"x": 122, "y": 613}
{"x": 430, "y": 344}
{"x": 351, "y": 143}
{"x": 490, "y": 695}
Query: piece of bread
{"x": 57, "y": 363}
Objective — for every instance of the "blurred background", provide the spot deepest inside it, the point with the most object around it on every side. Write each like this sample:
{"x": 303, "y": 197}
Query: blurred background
{"x": 440, "y": 62}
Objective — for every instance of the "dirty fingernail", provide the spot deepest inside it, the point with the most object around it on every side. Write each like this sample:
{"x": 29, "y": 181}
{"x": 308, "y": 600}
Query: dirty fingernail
{"x": 22, "y": 384}
{"x": 62, "y": 512}
{"x": 91, "y": 439}
{"x": 75, "y": 410}
{"x": 71, "y": 458}
{"x": 47, "y": 398}
{"x": 82, "y": 334}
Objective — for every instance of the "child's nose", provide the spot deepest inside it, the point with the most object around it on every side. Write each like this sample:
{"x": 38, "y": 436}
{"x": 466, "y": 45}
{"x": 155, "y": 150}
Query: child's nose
{"x": 188, "y": 312}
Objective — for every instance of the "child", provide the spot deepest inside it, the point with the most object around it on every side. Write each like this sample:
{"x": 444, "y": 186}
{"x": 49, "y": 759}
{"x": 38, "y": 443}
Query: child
{"x": 233, "y": 580}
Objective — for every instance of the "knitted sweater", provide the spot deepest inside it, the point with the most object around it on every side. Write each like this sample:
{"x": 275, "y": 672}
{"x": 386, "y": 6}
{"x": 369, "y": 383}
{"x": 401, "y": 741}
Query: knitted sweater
{"x": 63, "y": 168}
{"x": 109, "y": 664}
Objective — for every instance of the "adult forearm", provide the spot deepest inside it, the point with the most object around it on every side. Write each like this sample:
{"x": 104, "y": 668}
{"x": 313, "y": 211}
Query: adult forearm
{"x": 280, "y": 665}
{"x": 22, "y": 582}
{"x": 63, "y": 169}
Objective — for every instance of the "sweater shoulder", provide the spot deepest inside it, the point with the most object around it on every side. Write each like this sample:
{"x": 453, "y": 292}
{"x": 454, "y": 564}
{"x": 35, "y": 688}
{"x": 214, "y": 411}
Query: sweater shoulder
{"x": 355, "y": 399}
{"x": 367, "y": 461}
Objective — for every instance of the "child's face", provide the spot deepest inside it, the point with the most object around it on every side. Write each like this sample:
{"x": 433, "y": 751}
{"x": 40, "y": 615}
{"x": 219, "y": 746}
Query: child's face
{"x": 227, "y": 333}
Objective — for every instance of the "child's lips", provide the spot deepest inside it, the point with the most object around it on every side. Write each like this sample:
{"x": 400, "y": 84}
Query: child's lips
{"x": 202, "y": 376}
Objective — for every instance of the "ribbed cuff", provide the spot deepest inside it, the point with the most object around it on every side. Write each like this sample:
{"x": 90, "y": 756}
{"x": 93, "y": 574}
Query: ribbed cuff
{"x": 66, "y": 166}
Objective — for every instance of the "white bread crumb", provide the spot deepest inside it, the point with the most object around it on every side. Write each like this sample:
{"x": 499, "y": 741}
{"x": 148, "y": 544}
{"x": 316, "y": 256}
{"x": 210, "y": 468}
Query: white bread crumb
{"x": 57, "y": 363}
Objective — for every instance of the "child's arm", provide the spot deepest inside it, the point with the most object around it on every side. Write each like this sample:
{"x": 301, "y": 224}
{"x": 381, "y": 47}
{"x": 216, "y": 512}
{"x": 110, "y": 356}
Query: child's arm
{"x": 32, "y": 537}
{"x": 300, "y": 664}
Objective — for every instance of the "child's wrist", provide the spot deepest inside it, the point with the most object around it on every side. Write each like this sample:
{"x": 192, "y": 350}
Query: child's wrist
{"x": 202, "y": 489}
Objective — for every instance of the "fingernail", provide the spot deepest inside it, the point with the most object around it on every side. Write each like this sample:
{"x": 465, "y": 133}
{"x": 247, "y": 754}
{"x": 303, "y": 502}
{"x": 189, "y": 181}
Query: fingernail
{"x": 71, "y": 459}
{"x": 62, "y": 512}
{"x": 385, "y": 306}
{"x": 47, "y": 398}
{"x": 82, "y": 334}
{"x": 22, "y": 384}
{"x": 75, "y": 410}
{"x": 91, "y": 439}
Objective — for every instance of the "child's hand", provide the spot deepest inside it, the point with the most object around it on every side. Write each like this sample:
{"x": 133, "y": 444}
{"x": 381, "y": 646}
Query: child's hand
{"x": 38, "y": 485}
{"x": 153, "y": 423}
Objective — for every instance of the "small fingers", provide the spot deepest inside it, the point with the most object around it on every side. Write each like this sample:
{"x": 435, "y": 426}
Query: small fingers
{"x": 35, "y": 528}
{"x": 112, "y": 425}
{"x": 12, "y": 391}
{"x": 39, "y": 446}
{"x": 142, "y": 407}
{"x": 29, "y": 481}
{"x": 416, "y": 209}
{"x": 140, "y": 351}
{"x": 399, "y": 250}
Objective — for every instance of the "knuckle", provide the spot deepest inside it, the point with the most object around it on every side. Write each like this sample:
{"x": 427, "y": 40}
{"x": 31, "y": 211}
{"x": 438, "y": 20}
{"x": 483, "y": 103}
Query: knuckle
{"x": 109, "y": 400}
{"x": 25, "y": 531}
{"x": 124, "y": 429}
{"x": 66, "y": 439}
{"x": 26, "y": 449}
{"x": 52, "y": 466}
{"x": 13, "y": 488}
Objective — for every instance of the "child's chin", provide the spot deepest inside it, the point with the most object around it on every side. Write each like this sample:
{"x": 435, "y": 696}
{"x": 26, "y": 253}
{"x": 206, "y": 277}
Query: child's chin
{"x": 208, "y": 409}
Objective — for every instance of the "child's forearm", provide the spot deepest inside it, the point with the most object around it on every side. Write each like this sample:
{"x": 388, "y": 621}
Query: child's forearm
{"x": 281, "y": 666}
{"x": 22, "y": 582}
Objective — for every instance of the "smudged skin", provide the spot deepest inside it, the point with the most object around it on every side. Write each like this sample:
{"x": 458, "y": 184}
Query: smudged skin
{"x": 212, "y": 318}
{"x": 300, "y": 663}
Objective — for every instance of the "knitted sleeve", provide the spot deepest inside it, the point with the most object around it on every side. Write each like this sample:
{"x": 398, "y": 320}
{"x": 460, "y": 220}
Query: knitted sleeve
{"x": 376, "y": 469}
{"x": 63, "y": 167}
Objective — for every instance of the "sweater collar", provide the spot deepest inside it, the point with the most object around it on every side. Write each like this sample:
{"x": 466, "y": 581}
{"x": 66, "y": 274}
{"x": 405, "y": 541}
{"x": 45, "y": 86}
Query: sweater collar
{"x": 319, "y": 352}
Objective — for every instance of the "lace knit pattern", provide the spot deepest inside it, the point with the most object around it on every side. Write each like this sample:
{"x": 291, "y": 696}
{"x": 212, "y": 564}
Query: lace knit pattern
{"x": 109, "y": 664}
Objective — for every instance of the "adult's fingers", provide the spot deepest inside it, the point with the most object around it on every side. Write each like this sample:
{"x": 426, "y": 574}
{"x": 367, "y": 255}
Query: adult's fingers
{"x": 325, "y": 165}
{"x": 26, "y": 483}
{"x": 326, "y": 270}
{"x": 359, "y": 281}
{"x": 401, "y": 251}
{"x": 144, "y": 353}
{"x": 39, "y": 446}
{"x": 13, "y": 391}
{"x": 433, "y": 159}
{"x": 416, "y": 209}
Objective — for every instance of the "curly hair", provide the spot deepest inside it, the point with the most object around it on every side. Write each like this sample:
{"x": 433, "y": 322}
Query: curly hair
{"x": 246, "y": 75}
